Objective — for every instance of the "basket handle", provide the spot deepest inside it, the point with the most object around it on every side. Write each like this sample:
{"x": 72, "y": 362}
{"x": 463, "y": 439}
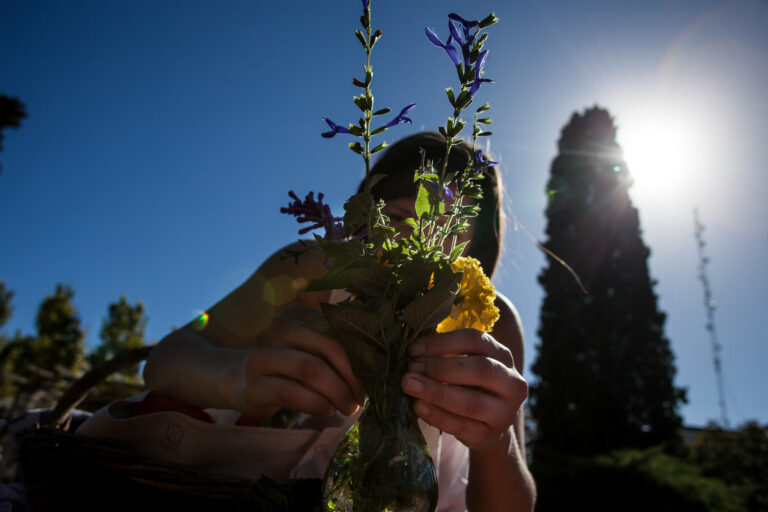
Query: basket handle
{"x": 82, "y": 386}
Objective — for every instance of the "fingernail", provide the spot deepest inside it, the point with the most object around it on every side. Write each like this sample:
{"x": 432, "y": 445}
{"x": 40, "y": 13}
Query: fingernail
{"x": 417, "y": 367}
{"x": 413, "y": 386}
{"x": 417, "y": 349}
{"x": 352, "y": 408}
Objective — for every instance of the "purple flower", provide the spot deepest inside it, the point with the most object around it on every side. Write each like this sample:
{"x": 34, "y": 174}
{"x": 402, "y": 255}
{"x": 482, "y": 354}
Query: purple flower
{"x": 334, "y": 128}
{"x": 400, "y": 118}
{"x": 478, "y": 73}
{"x": 447, "y": 192}
{"x": 481, "y": 162}
{"x": 365, "y": 5}
{"x": 317, "y": 213}
{"x": 447, "y": 46}
{"x": 467, "y": 38}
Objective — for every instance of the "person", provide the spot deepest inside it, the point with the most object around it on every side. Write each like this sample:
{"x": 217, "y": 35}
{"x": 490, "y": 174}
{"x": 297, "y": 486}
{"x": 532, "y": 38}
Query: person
{"x": 256, "y": 356}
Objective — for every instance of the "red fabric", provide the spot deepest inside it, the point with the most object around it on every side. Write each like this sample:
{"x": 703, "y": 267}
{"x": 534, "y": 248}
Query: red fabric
{"x": 155, "y": 403}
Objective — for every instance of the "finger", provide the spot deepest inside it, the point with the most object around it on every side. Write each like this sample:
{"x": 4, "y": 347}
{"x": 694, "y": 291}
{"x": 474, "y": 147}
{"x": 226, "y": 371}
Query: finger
{"x": 461, "y": 342}
{"x": 310, "y": 371}
{"x": 281, "y": 392}
{"x": 478, "y": 371}
{"x": 472, "y": 404}
{"x": 288, "y": 334}
{"x": 471, "y": 432}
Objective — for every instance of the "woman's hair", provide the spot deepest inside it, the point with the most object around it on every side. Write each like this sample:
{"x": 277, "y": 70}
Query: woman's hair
{"x": 400, "y": 161}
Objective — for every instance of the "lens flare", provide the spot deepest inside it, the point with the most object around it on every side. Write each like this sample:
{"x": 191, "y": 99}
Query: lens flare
{"x": 201, "y": 321}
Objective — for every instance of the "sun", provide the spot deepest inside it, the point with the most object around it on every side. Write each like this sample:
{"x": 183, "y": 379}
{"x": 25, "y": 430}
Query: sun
{"x": 660, "y": 152}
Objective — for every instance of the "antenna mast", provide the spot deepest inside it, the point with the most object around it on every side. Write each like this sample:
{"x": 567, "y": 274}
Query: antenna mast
{"x": 709, "y": 307}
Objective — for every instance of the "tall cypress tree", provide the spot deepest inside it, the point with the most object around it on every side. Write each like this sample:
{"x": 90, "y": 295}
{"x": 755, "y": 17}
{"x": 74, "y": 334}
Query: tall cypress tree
{"x": 605, "y": 370}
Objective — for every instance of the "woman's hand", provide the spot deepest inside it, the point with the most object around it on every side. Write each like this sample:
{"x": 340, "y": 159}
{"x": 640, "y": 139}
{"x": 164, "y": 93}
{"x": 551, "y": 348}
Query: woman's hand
{"x": 291, "y": 366}
{"x": 465, "y": 383}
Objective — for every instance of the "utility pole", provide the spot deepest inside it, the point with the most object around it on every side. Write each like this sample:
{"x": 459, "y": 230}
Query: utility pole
{"x": 709, "y": 308}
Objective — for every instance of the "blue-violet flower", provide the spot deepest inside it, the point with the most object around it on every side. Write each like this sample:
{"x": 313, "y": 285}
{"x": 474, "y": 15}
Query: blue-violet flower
{"x": 334, "y": 128}
{"x": 400, "y": 118}
{"x": 481, "y": 161}
{"x": 447, "y": 46}
{"x": 478, "y": 73}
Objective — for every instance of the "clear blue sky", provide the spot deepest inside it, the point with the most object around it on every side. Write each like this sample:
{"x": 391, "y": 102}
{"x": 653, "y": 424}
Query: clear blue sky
{"x": 162, "y": 138}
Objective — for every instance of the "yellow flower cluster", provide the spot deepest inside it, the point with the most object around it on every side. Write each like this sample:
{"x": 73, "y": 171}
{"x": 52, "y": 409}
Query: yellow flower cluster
{"x": 474, "y": 307}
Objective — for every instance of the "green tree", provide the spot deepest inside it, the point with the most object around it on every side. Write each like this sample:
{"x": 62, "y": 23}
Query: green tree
{"x": 11, "y": 113}
{"x": 604, "y": 368}
{"x": 5, "y": 304}
{"x": 60, "y": 338}
{"x": 738, "y": 458}
{"x": 122, "y": 329}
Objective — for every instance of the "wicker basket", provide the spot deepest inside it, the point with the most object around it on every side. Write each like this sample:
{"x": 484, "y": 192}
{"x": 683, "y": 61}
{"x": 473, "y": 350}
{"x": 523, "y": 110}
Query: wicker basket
{"x": 64, "y": 472}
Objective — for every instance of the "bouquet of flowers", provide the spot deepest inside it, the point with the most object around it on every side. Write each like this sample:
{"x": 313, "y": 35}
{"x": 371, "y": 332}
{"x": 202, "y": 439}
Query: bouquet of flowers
{"x": 406, "y": 280}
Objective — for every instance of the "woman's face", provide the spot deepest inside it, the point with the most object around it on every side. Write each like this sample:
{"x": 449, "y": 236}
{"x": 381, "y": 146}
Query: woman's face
{"x": 403, "y": 207}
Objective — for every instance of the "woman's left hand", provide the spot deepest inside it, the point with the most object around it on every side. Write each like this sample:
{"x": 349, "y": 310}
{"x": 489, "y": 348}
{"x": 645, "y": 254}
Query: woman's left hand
{"x": 466, "y": 384}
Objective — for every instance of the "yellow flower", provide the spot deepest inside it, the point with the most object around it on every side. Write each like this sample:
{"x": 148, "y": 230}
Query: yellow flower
{"x": 474, "y": 307}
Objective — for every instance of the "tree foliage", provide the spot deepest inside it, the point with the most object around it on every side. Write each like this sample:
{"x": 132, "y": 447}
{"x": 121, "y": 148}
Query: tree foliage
{"x": 5, "y": 304}
{"x": 605, "y": 370}
{"x": 738, "y": 458}
{"x": 60, "y": 338}
{"x": 11, "y": 113}
{"x": 122, "y": 329}
{"x": 631, "y": 481}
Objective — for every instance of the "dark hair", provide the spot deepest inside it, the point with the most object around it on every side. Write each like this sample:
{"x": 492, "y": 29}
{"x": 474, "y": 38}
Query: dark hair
{"x": 402, "y": 158}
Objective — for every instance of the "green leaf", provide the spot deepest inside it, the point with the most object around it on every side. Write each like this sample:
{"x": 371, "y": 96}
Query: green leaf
{"x": 422, "y": 202}
{"x": 357, "y": 147}
{"x": 349, "y": 320}
{"x": 484, "y": 120}
{"x": 451, "y": 97}
{"x": 456, "y": 252}
{"x": 361, "y": 38}
{"x": 379, "y": 148}
{"x": 358, "y": 83}
{"x": 456, "y": 129}
{"x": 363, "y": 102}
{"x": 484, "y": 134}
{"x": 428, "y": 310}
{"x": 382, "y": 112}
{"x": 358, "y": 332}
{"x": 414, "y": 279}
{"x": 368, "y": 281}
{"x": 358, "y": 209}
{"x": 483, "y": 108}
{"x": 442, "y": 132}
{"x": 434, "y": 178}
{"x": 488, "y": 20}
{"x": 411, "y": 222}
{"x": 378, "y": 130}
{"x": 355, "y": 130}
{"x": 376, "y": 36}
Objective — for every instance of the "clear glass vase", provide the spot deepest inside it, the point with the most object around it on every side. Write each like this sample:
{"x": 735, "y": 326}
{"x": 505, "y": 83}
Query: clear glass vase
{"x": 383, "y": 462}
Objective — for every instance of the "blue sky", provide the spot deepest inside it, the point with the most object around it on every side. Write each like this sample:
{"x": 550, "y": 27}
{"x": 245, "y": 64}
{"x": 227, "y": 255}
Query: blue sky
{"x": 162, "y": 138}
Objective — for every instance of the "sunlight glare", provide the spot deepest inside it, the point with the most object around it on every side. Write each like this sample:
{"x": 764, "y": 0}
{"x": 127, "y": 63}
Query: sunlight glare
{"x": 660, "y": 153}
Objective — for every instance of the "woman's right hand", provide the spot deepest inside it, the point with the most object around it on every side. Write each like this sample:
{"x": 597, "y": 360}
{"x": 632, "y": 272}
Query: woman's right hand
{"x": 291, "y": 366}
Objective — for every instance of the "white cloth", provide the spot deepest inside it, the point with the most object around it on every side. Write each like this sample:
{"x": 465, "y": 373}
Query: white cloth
{"x": 250, "y": 452}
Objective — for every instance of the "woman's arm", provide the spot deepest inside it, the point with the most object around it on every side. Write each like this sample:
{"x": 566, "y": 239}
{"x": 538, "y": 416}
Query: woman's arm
{"x": 254, "y": 354}
{"x": 467, "y": 384}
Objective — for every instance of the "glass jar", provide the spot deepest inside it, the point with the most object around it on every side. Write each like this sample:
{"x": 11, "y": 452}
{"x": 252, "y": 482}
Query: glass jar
{"x": 383, "y": 462}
